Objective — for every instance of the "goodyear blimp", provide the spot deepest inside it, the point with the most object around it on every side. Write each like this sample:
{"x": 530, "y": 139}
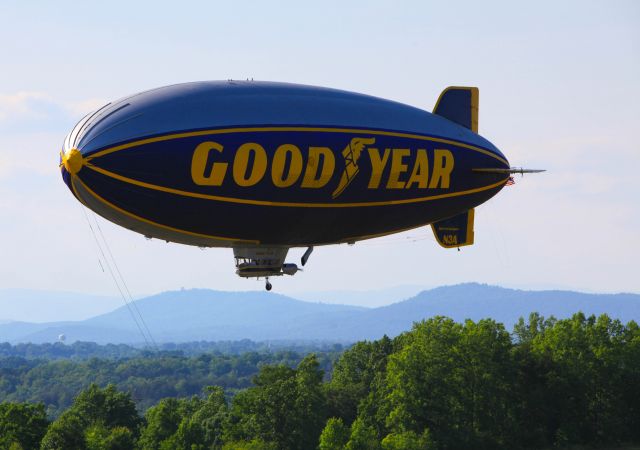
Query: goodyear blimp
{"x": 262, "y": 167}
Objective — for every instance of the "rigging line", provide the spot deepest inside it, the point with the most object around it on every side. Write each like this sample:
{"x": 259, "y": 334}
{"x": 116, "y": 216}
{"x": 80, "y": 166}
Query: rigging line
{"x": 406, "y": 240}
{"x": 113, "y": 276}
{"x": 124, "y": 284}
{"x": 126, "y": 288}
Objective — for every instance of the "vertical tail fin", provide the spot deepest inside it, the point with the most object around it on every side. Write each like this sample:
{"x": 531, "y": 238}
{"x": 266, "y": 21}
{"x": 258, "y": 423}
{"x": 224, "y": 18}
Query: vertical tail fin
{"x": 460, "y": 105}
{"x": 456, "y": 231}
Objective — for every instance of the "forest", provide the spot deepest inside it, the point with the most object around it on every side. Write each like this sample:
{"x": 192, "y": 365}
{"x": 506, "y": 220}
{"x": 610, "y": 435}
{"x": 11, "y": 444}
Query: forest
{"x": 148, "y": 376}
{"x": 570, "y": 383}
{"x": 80, "y": 350}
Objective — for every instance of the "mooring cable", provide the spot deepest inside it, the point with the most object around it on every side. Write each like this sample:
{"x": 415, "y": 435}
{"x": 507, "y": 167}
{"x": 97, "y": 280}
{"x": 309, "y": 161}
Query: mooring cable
{"x": 126, "y": 288}
{"x": 113, "y": 277}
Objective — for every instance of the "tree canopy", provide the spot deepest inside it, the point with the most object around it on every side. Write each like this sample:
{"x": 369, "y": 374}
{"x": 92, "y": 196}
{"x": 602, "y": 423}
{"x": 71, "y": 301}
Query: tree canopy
{"x": 443, "y": 385}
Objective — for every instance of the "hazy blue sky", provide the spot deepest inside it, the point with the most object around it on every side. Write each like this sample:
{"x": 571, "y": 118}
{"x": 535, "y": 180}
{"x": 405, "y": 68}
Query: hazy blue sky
{"x": 559, "y": 89}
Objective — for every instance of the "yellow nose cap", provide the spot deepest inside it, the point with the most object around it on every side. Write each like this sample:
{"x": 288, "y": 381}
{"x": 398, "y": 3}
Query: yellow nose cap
{"x": 73, "y": 161}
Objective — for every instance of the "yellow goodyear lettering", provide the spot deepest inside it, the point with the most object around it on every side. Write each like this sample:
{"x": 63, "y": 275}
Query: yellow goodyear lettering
{"x": 397, "y": 168}
{"x": 420, "y": 173}
{"x": 378, "y": 163}
{"x": 278, "y": 176}
{"x": 199, "y": 165}
{"x": 392, "y": 168}
{"x": 317, "y": 174}
{"x": 442, "y": 168}
{"x": 241, "y": 163}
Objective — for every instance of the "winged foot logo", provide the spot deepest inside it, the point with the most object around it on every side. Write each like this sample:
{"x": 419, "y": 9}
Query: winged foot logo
{"x": 391, "y": 168}
{"x": 351, "y": 154}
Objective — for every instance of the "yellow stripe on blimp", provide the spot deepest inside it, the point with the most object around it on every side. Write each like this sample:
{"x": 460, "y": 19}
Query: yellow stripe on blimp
{"x": 169, "y": 137}
{"x": 150, "y": 222}
{"x": 287, "y": 204}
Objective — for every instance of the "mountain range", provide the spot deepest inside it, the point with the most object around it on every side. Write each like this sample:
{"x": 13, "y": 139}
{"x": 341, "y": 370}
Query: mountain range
{"x": 45, "y": 306}
{"x": 366, "y": 298}
{"x": 207, "y": 315}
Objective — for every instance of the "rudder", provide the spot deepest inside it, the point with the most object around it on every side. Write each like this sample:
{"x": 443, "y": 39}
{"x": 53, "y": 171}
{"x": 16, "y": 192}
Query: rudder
{"x": 456, "y": 231}
{"x": 459, "y": 104}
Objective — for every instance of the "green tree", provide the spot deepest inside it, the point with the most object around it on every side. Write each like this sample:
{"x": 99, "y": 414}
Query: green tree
{"x": 454, "y": 380}
{"x": 310, "y": 403}
{"x": 334, "y": 436}
{"x": 97, "y": 417}
{"x": 363, "y": 437}
{"x": 629, "y": 382}
{"x": 445, "y": 385}
{"x": 407, "y": 440}
{"x": 534, "y": 412}
{"x": 286, "y": 407}
{"x": 163, "y": 421}
{"x": 22, "y": 423}
{"x": 65, "y": 433}
{"x": 202, "y": 428}
{"x": 354, "y": 376}
{"x": 99, "y": 437}
{"x": 265, "y": 411}
{"x": 108, "y": 407}
{"x": 212, "y": 417}
{"x": 186, "y": 423}
{"x": 586, "y": 368}
{"x": 254, "y": 444}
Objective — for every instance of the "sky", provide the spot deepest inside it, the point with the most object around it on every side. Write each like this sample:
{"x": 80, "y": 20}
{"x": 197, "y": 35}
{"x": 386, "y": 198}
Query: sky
{"x": 558, "y": 90}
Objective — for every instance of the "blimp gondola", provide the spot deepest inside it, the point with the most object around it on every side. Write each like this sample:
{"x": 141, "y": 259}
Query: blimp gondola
{"x": 262, "y": 167}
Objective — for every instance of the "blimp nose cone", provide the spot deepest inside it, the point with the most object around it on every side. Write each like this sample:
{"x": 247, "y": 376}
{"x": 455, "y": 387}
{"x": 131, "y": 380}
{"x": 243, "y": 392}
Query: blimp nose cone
{"x": 72, "y": 161}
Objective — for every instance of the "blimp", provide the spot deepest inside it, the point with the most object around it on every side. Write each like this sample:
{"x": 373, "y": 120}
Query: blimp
{"x": 263, "y": 167}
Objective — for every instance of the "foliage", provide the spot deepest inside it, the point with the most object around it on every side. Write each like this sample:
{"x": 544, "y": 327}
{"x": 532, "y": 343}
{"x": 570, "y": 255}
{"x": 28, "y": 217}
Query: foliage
{"x": 99, "y": 437}
{"x": 334, "y": 435}
{"x": 147, "y": 378}
{"x": 445, "y": 379}
{"x": 186, "y": 423}
{"x": 102, "y": 419}
{"x": 442, "y": 385}
{"x": 285, "y": 407}
{"x": 363, "y": 436}
{"x": 584, "y": 376}
{"x": 355, "y": 376}
{"x": 254, "y": 444}
{"x": 66, "y": 432}
{"x": 407, "y": 440}
{"x": 162, "y": 422}
{"x": 22, "y": 424}
{"x": 80, "y": 350}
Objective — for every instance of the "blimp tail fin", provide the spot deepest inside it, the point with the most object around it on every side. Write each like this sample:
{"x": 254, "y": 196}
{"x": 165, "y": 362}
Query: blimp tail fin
{"x": 459, "y": 104}
{"x": 456, "y": 231}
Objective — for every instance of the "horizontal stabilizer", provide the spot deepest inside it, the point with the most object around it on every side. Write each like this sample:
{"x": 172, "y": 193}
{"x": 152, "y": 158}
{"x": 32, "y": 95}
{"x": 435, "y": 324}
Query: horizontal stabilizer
{"x": 456, "y": 231}
{"x": 459, "y": 105}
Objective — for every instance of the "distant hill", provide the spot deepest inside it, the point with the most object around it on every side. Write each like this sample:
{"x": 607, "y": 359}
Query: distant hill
{"x": 198, "y": 314}
{"x": 477, "y": 301}
{"x": 368, "y": 299}
{"x": 30, "y": 305}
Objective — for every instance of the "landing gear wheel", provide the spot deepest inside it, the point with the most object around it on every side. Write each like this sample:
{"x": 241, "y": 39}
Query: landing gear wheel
{"x": 268, "y": 286}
